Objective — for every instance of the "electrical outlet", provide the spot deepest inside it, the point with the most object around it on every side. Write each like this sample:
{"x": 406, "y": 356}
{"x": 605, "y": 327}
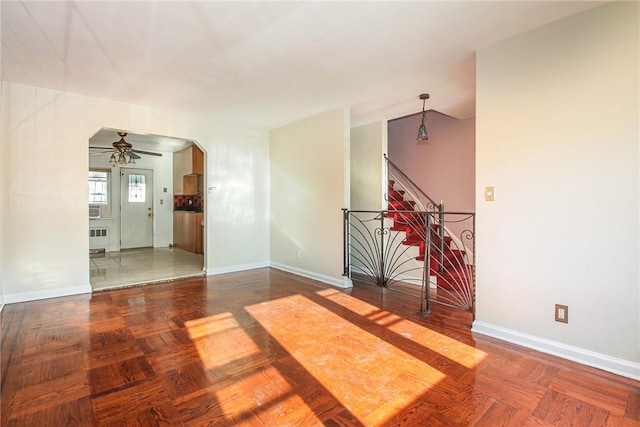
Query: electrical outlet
{"x": 562, "y": 313}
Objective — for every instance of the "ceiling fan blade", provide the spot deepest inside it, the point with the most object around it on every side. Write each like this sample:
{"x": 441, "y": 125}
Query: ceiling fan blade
{"x": 151, "y": 153}
{"x": 100, "y": 148}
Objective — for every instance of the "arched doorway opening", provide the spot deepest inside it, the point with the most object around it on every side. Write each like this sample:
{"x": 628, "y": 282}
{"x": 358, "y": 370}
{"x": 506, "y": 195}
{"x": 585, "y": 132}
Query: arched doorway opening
{"x": 146, "y": 208}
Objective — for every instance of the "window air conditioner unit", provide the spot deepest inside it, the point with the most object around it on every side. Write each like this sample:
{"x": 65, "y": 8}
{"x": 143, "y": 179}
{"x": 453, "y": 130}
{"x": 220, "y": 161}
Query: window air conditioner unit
{"x": 94, "y": 211}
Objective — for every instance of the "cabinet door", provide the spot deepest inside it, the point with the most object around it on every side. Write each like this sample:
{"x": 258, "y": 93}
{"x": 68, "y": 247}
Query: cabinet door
{"x": 184, "y": 230}
{"x": 190, "y": 184}
{"x": 178, "y": 171}
{"x": 190, "y": 235}
{"x": 177, "y": 230}
{"x": 197, "y": 161}
{"x": 199, "y": 238}
{"x": 182, "y": 165}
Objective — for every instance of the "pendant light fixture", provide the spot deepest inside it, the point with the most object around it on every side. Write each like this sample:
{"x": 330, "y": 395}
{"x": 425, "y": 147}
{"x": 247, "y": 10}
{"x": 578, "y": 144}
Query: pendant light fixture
{"x": 422, "y": 130}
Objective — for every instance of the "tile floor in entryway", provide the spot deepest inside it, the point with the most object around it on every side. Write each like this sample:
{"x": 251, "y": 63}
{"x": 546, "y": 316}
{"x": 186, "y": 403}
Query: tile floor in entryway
{"x": 144, "y": 265}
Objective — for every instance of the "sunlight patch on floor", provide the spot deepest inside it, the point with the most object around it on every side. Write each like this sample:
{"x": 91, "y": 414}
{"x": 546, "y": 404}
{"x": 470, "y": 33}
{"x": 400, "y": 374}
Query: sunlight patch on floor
{"x": 362, "y": 371}
{"x": 455, "y": 350}
{"x": 226, "y": 350}
{"x": 263, "y": 401}
{"x": 220, "y": 340}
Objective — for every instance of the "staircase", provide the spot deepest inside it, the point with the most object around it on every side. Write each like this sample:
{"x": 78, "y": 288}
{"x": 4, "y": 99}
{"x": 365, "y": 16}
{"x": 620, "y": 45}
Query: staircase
{"x": 414, "y": 247}
{"x": 448, "y": 262}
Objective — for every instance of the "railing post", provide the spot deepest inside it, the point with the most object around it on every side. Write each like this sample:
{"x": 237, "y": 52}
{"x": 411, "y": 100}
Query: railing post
{"x": 346, "y": 253}
{"x": 386, "y": 179}
{"x": 425, "y": 301}
{"x": 473, "y": 269}
{"x": 441, "y": 235}
{"x": 382, "y": 277}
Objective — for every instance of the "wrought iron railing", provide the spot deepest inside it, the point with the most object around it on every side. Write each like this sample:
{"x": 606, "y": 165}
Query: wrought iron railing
{"x": 415, "y": 247}
{"x": 376, "y": 254}
{"x": 392, "y": 249}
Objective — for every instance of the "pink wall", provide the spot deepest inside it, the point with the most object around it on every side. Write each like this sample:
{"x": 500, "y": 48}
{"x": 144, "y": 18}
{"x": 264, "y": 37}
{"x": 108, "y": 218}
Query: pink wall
{"x": 443, "y": 166}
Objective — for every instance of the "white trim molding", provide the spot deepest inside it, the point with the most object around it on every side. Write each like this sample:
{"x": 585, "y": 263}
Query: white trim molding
{"x": 607, "y": 363}
{"x": 236, "y": 268}
{"x": 333, "y": 281}
{"x": 55, "y": 293}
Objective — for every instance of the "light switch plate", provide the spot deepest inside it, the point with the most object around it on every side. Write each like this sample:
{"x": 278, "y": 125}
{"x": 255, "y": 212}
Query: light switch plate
{"x": 489, "y": 194}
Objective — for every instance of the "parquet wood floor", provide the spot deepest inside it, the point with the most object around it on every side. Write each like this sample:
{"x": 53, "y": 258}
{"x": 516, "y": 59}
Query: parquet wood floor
{"x": 267, "y": 348}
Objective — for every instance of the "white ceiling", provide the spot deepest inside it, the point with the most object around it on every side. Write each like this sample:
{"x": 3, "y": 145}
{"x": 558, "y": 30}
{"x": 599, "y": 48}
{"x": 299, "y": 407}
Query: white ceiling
{"x": 265, "y": 63}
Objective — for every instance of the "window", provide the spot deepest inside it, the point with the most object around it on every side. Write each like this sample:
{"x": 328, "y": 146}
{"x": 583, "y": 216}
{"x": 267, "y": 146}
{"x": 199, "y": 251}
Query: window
{"x": 137, "y": 188}
{"x": 99, "y": 187}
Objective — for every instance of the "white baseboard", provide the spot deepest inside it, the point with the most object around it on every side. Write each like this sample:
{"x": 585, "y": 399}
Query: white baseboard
{"x": 235, "y": 268}
{"x": 343, "y": 282}
{"x": 49, "y": 293}
{"x": 607, "y": 363}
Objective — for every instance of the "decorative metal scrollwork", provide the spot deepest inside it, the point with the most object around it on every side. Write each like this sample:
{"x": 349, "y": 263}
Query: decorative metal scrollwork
{"x": 415, "y": 247}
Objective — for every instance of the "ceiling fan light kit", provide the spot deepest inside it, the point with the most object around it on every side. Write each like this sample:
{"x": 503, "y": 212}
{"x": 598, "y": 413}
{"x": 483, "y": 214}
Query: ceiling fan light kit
{"x": 123, "y": 152}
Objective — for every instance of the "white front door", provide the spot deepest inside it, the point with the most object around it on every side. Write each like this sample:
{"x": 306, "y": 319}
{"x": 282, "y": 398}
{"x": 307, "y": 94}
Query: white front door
{"x": 136, "y": 208}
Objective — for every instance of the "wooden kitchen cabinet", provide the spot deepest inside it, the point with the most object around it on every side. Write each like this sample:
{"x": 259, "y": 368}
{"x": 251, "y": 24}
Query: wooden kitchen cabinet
{"x": 187, "y": 231}
{"x": 190, "y": 184}
{"x": 193, "y": 184}
{"x": 187, "y": 162}
{"x": 197, "y": 161}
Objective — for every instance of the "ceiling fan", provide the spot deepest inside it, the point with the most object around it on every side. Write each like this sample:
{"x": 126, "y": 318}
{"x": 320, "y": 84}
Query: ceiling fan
{"x": 123, "y": 152}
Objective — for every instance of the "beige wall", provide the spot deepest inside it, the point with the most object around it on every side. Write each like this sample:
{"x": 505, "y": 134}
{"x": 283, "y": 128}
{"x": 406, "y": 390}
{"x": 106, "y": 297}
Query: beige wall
{"x": 45, "y": 161}
{"x": 309, "y": 187}
{"x": 558, "y": 137}
{"x": 443, "y": 166}
{"x": 368, "y": 145}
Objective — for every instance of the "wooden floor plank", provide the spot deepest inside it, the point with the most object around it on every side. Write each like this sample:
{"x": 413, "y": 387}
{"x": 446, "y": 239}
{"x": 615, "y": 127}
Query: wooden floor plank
{"x": 267, "y": 348}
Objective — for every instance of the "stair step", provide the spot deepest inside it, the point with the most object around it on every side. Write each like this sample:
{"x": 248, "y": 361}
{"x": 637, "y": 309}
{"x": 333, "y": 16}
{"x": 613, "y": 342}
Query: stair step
{"x": 395, "y": 195}
{"x": 452, "y": 257}
{"x": 409, "y": 218}
{"x": 403, "y": 217}
{"x": 455, "y": 281}
{"x": 408, "y": 229}
{"x": 401, "y": 205}
{"x": 413, "y": 240}
{"x": 435, "y": 245}
{"x": 435, "y": 240}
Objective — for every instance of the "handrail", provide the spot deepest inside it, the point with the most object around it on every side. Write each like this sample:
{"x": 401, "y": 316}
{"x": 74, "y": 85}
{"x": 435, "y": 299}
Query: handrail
{"x": 404, "y": 176}
{"x": 435, "y": 206}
